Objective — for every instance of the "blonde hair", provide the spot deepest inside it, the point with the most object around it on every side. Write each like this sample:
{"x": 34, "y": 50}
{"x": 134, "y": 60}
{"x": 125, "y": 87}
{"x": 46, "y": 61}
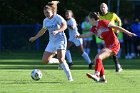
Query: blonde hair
{"x": 52, "y": 5}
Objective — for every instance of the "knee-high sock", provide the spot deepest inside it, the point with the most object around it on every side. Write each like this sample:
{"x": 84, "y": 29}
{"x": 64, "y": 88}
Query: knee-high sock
{"x": 66, "y": 69}
{"x": 86, "y": 57}
{"x": 102, "y": 72}
{"x": 98, "y": 65}
{"x": 53, "y": 60}
{"x": 116, "y": 61}
{"x": 68, "y": 56}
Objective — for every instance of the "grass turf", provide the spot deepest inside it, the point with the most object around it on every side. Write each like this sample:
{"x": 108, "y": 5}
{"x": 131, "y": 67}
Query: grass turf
{"x": 16, "y": 67}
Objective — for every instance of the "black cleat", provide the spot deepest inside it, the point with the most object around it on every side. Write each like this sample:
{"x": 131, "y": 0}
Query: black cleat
{"x": 90, "y": 66}
{"x": 70, "y": 65}
{"x": 103, "y": 80}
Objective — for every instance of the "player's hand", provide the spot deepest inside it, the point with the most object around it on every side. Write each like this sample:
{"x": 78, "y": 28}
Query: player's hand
{"x": 32, "y": 39}
{"x": 132, "y": 35}
{"x": 77, "y": 36}
{"x": 117, "y": 31}
{"x": 55, "y": 32}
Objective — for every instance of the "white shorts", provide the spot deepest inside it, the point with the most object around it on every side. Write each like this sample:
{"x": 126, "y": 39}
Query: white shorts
{"x": 77, "y": 41}
{"x": 53, "y": 47}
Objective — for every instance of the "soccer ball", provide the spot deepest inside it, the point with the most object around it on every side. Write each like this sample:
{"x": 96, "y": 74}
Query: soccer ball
{"x": 36, "y": 74}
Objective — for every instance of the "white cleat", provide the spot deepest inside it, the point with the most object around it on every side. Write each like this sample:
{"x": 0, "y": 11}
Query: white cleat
{"x": 94, "y": 77}
{"x": 70, "y": 80}
{"x": 120, "y": 70}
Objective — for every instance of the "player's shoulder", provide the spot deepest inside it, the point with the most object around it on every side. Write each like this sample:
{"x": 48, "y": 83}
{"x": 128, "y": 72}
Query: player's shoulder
{"x": 58, "y": 16}
{"x": 45, "y": 19}
{"x": 102, "y": 21}
{"x": 72, "y": 19}
{"x": 112, "y": 13}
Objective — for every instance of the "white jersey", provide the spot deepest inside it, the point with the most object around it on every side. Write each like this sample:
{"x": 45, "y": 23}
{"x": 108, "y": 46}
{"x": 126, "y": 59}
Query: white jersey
{"x": 52, "y": 25}
{"x": 59, "y": 40}
{"x": 72, "y": 32}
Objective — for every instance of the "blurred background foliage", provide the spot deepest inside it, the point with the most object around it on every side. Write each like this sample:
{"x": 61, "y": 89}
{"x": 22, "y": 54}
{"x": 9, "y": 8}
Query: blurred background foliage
{"x": 18, "y": 13}
{"x": 30, "y": 11}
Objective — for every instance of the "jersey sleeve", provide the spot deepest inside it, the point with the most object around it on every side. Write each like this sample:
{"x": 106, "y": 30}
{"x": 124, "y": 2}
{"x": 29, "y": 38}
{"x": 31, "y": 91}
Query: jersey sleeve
{"x": 117, "y": 19}
{"x": 93, "y": 29}
{"x": 44, "y": 24}
{"x": 72, "y": 22}
{"x": 60, "y": 19}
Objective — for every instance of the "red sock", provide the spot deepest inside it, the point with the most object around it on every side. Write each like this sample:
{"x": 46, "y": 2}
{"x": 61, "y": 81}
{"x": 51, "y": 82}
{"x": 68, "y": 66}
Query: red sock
{"x": 98, "y": 65}
{"x": 102, "y": 71}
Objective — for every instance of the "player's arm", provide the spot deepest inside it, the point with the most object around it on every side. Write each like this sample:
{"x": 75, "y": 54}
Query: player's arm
{"x": 39, "y": 34}
{"x": 89, "y": 34}
{"x": 71, "y": 26}
{"x": 63, "y": 27}
{"x": 121, "y": 29}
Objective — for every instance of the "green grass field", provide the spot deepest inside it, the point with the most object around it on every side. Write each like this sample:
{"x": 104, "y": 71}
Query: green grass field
{"x": 16, "y": 67}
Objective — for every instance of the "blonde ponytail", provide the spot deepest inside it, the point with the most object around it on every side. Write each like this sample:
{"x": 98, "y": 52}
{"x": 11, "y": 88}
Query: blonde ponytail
{"x": 53, "y": 4}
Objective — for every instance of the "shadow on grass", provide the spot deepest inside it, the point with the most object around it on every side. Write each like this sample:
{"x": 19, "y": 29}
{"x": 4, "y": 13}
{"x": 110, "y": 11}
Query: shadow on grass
{"x": 34, "y": 65}
{"x": 18, "y": 61}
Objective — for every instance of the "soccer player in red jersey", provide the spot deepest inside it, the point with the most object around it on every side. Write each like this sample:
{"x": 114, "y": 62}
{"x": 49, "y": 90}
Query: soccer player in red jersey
{"x": 103, "y": 29}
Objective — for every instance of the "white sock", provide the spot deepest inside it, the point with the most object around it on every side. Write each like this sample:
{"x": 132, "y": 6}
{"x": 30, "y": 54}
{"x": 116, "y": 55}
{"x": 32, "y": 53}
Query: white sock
{"x": 97, "y": 73}
{"x": 68, "y": 56}
{"x": 53, "y": 60}
{"x": 86, "y": 57}
{"x": 118, "y": 65}
{"x": 66, "y": 69}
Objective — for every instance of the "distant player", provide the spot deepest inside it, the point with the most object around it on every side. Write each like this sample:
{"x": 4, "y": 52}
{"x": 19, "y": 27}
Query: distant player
{"x": 114, "y": 19}
{"x": 55, "y": 24}
{"x": 86, "y": 26}
{"x": 73, "y": 31}
{"x": 103, "y": 29}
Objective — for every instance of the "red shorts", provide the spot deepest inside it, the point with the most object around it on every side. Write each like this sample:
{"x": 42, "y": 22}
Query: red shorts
{"x": 115, "y": 48}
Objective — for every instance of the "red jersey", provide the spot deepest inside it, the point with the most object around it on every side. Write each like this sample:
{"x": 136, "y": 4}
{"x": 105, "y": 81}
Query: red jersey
{"x": 104, "y": 32}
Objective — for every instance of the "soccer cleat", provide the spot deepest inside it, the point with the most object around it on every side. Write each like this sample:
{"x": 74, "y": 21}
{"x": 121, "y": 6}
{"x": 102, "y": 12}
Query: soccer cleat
{"x": 94, "y": 77}
{"x": 102, "y": 80}
{"x": 70, "y": 65}
{"x": 90, "y": 66}
{"x": 70, "y": 80}
{"x": 120, "y": 70}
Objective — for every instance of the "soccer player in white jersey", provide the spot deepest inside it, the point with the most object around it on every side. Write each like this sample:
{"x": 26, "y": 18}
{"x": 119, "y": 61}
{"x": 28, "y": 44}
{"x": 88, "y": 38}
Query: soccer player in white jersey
{"x": 78, "y": 42}
{"x": 55, "y": 25}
